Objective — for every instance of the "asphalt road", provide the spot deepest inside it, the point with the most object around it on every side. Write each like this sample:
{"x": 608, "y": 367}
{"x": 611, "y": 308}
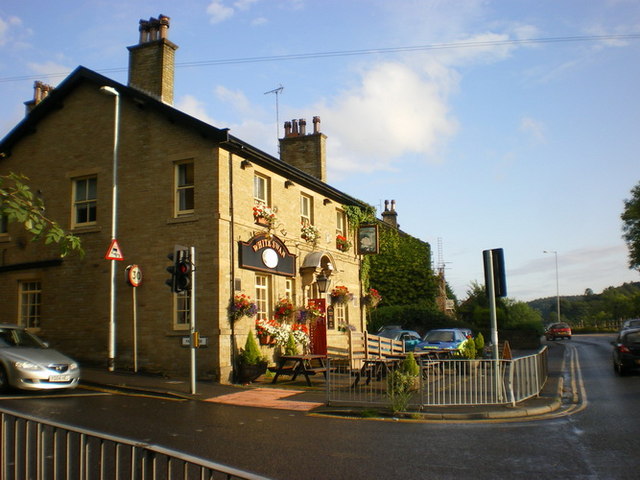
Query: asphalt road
{"x": 596, "y": 435}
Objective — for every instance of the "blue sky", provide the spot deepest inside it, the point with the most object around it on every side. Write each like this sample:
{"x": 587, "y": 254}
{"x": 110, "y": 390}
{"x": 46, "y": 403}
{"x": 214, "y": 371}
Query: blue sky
{"x": 490, "y": 142}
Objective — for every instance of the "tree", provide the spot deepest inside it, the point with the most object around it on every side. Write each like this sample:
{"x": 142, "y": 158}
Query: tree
{"x": 631, "y": 227}
{"x": 19, "y": 204}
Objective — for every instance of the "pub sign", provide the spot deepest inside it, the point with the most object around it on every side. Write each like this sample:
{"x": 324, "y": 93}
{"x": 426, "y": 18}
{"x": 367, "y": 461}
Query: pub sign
{"x": 267, "y": 254}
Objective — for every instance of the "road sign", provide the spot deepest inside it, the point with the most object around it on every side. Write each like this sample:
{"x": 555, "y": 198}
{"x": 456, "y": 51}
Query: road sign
{"x": 114, "y": 252}
{"x": 134, "y": 275}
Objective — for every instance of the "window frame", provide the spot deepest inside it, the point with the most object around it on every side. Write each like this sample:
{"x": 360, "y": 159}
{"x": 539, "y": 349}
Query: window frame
{"x": 181, "y": 188}
{"x": 30, "y": 303}
{"x": 182, "y": 310}
{"x": 262, "y": 287}
{"x": 84, "y": 203}
{"x": 261, "y": 189}
{"x": 306, "y": 203}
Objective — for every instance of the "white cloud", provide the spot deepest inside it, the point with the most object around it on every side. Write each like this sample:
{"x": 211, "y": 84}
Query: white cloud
{"x": 236, "y": 99}
{"x": 394, "y": 110}
{"x": 5, "y": 26}
{"x": 219, "y": 12}
{"x": 194, "y": 107}
{"x": 49, "y": 68}
{"x": 533, "y": 128}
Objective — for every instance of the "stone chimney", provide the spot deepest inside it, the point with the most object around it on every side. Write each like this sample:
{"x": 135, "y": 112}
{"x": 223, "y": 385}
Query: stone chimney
{"x": 40, "y": 92}
{"x": 307, "y": 152}
{"x": 152, "y": 60}
{"x": 390, "y": 216}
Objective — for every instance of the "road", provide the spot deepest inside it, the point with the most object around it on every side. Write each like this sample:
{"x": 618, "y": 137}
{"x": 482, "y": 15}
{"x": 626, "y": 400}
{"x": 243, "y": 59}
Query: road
{"x": 595, "y": 436}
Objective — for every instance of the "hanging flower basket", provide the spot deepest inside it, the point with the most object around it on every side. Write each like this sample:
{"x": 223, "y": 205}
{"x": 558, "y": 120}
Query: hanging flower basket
{"x": 342, "y": 243}
{"x": 309, "y": 233}
{"x": 265, "y": 216}
{"x": 341, "y": 295}
{"x": 372, "y": 299}
{"x": 308, "y": 314}
{"x": 284, "y": 309}
{"x": 267, "y": 331}
{"x": 242, "y": 306}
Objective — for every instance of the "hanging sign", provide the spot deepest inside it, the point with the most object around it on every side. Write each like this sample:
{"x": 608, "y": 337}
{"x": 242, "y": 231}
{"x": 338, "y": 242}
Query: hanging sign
{"x": 114, "y": 252}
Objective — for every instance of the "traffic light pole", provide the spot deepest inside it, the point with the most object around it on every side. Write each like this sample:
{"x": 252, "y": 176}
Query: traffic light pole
{"x": 192, "y": 327}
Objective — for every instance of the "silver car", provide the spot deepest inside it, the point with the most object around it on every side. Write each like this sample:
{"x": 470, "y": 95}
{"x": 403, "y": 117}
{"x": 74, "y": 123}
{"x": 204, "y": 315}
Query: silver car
{"x": 27, "y": 363}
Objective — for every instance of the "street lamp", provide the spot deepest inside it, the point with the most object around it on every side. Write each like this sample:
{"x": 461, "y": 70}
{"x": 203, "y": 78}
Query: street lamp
{"x": 557, "y": 283}
{"x": 323, "y": 282}
{"x": 114, "y": 215}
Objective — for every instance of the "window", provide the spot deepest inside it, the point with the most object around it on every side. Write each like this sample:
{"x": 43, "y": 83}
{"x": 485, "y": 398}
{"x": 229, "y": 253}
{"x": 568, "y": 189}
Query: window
{"x": 30, "y": 297}
{"x": 306, "y": 209}
{"x": 340, "y": 313}
{"x": 290, "y": 289}
{"x": 85, "y": 200}
{"x": 185, "y": 189}
{"x": 341, "y": 223}
{"x": 182, "y": 317}
{"x": 261, "y": 189}
{"x": 263, "y": 297}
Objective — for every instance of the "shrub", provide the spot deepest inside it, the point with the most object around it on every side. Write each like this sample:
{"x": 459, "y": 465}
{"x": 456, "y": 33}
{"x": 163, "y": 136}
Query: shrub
{"x": 410, "y": 366}
{"x": 468, "y": 349}
{"x": 290, "y": 348}
{"x": 399, "y": 389}
{"x": 251, "y": 354}
{"x": 479, "y": 341}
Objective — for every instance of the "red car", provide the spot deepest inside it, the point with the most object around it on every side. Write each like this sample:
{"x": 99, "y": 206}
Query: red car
{"x": 558, "y": 330}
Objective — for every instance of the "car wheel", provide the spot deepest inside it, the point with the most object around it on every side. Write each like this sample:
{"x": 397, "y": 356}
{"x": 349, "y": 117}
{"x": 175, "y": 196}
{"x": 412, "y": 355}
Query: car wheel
{"x": 4, "y": 380}
{"x": 619, "y": 368}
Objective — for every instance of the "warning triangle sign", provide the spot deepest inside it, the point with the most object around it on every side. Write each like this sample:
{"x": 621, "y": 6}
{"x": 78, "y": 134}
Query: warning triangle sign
{"x": 114, "y": 252}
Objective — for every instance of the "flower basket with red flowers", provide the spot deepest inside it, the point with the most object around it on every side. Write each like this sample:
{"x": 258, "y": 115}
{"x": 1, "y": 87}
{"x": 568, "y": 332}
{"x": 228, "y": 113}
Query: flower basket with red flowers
{"x": 264, "y": 215}
{"x": 267, "y": 331}
{"x": 284, "y": 309}
{"x": 372, "y": 299}
{"x": 340, "y": 294}
{"x": 342, "y": 243}
{"x": 242, "y": 306}
{"x": 308, "y": 314}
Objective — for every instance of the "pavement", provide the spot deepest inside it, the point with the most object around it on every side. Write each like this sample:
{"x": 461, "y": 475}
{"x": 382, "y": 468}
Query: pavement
{"x": 297, "y": 396}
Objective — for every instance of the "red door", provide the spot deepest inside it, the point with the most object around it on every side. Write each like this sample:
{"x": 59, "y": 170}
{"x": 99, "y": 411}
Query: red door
{"x": 318, "y": 329}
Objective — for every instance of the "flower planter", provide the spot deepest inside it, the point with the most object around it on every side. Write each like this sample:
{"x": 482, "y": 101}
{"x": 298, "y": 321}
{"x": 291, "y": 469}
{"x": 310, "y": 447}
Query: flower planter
{"x": 248, "y": 373}
{"x": 267, "y": 340}
{"x": 262, "y": 221}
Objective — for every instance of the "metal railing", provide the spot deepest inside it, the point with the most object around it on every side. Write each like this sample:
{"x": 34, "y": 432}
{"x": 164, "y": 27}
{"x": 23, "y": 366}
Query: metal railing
{"x": 36, "y": 449}
{"x": 442, "y": 382}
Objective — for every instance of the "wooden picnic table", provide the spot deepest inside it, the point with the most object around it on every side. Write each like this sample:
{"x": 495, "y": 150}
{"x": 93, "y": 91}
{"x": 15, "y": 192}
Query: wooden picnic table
{"x": 294, "y": 365}
{"x": 376, "y": 367}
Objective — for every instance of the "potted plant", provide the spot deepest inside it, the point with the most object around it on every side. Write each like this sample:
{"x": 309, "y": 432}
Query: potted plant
{"x": 267, "y": 331}
{"x": 340, "y": 294}
{"x": 251, "y": 362}
{"x": 242, "y": 306}
{"x": 308, "y": 314}
{"x": 372, "y": 299}
{"x": 342, "y": 243}
{"x": 309, "y": 233}
{"x": 263, "y": 215}
{"x": 284, "y": 309}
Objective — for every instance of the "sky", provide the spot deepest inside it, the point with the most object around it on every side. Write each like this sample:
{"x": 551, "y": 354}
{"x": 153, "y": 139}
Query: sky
{"x": 506, "y": 124}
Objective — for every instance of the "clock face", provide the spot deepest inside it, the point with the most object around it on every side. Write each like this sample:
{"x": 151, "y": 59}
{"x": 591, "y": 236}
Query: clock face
{"x": 270, "y": 258}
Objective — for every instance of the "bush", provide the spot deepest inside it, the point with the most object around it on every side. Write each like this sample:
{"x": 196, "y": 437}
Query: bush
{"x": 410, "y": 366}
{"x": 400, "y": 386}
{"x": 291, "y": 348}
{"x": 479, "y": 341}
{"x": 251, "y": 354}
{"x": 468, "y": 349}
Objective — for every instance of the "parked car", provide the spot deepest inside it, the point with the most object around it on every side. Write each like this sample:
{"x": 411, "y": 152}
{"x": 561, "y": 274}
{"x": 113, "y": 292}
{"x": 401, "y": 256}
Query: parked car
{"x": 409, "y": 337}
{"x": 633, "y": 323}
{"x": 27, "y": 363}
{"x": 558, "y": 330}
{"x": 443, "y": 339}
{"x": 626, "y": 351}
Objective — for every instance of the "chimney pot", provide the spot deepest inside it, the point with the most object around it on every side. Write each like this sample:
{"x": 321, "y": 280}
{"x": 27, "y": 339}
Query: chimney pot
{"x": 303, "y": 126}
{"x": 316, "y": 124}
{"x": 294, "y": 130}
{"x": 287, "y": 128}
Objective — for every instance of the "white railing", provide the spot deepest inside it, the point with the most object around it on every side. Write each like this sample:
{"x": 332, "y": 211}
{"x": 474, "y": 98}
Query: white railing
{"x": 31, "y": 448}
{"x": 442, "y": 382}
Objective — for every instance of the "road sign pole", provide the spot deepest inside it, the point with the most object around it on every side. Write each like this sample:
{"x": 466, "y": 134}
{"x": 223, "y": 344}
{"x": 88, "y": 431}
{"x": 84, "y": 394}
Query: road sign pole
{"x": 135, "y": 328}
{"x": 192, "y": 327}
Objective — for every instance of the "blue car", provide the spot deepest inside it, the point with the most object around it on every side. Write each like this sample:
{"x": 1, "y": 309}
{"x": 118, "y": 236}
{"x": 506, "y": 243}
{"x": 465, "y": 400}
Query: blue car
{"x": 450, "y": 339}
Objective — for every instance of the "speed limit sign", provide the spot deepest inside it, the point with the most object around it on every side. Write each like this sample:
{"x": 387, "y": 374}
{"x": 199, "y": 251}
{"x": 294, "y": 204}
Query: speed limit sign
{"x": 134, "y": 275}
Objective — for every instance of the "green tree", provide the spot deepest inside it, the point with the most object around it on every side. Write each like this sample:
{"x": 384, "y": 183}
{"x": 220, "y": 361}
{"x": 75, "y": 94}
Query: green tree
{"x": 631, "y": 227}
{"x": 20, "y": 205}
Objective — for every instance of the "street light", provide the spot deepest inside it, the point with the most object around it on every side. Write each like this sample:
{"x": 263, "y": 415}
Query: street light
{"x": 114, "y": 215}
{"x": 557, "y": 283}
{"x": 323, "y": 282}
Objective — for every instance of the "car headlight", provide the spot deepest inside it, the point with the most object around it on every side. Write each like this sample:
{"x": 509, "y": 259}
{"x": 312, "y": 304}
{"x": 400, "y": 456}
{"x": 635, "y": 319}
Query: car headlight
{"x": 27, "y": 366}
{"x": 73, "y": 366}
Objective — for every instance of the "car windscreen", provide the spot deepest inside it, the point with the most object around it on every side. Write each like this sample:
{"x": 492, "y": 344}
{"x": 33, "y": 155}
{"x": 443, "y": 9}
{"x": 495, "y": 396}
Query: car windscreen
{"x": 10, "y": 337}
{"x": 633, "y": 337}
{"x": 439, "y": 336}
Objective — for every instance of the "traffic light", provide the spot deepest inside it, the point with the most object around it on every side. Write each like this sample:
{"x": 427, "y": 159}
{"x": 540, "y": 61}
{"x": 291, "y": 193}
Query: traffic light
{"x": 180, "y": 271}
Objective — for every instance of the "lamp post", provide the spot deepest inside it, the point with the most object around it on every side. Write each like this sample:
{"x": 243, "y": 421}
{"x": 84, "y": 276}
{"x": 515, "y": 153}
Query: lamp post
{"x": 114, "y": 230}
{"x": 323, "y": 283}
{"x": 557, "y": 283}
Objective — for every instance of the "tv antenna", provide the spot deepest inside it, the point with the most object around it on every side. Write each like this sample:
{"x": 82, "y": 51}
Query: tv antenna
{"x": 277, "y": 91}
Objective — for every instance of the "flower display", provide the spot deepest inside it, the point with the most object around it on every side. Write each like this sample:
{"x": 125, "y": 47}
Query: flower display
{"x": 341, "y": 294}
{"x": 309, "y": 232}
{"x": 308, "y": 313}
{"x": 242, "y": 306}
{"x": 342, "y": 243}
{"x": 266, "y": 328}
{"x": 280, "y": 332}
{"x": 265, "y": 215}
{"x": 372, "y": 299}
{"x": 284, "y": 309}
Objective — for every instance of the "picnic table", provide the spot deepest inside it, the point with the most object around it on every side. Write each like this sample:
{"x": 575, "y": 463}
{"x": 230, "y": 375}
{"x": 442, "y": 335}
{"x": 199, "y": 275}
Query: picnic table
{"x": 294, "y": 365}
